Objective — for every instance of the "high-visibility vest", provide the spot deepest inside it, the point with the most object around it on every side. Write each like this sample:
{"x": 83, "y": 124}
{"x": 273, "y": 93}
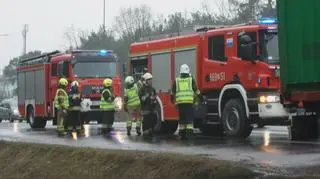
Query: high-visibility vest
{"x": 133, "y": 97}
{"x": 106, "y": 105}
{"x": 184, "y": 91}
{"x": 64, "y": 98}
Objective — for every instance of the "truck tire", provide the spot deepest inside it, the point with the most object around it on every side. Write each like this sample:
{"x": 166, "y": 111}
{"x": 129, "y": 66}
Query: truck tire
{"x": 164, "y": 127}
{"x": 34, "y": 122}
{"x": 234, "y": 120}
{"x": 303, "y": 128}
{"x": 169, "y": 127}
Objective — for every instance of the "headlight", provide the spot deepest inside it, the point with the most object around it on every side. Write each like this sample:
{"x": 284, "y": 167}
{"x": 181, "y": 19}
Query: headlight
{"x": 16, "y": 112}
{"x": 118, "y": 103}
{"x": 269, "y": 99}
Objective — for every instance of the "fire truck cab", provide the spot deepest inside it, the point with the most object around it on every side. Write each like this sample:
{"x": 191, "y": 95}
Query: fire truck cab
{"x": 38, "y": 82}
{"x": 236, "y": 69}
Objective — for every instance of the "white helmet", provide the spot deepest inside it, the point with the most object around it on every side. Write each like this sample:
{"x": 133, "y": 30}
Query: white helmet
{"x": 75, "y": 83}
{"x": 147, "y": 76}
{"x": 129, "y": 80}
{"x": 184, "y": 69}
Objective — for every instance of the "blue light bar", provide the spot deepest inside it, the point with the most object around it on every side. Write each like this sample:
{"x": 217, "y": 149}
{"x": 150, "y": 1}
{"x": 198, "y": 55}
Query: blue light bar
{"x": 104, "y": 52}
{"x": 268, "y": 21}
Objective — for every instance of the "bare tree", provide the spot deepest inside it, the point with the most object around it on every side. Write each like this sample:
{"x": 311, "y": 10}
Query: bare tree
{"x": 73, "y": 36}
{"x": 134, "y": 22}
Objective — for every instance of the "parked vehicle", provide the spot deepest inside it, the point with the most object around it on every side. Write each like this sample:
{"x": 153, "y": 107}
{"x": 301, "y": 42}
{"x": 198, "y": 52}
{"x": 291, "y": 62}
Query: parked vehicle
{"x": 299, "y": 41}
{"x": 38, "y": 81}
{"x": 9, "y": 110}
{"x": 236, "y": 69}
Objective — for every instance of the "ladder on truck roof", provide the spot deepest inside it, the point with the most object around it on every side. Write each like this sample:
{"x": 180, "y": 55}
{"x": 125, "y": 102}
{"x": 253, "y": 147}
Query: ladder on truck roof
{"x": 187, "y": 31}
{"x": 44, "y": 58}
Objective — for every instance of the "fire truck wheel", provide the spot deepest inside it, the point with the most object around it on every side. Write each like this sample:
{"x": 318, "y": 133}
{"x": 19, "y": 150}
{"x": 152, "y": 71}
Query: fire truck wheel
{"x": 35, "y": 123}
{"x": 169, "y": 127}
{"x": 234, "y": 119}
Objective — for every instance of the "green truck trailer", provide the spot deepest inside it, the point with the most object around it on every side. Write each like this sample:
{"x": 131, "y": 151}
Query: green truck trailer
{"x": 299, "y": 50}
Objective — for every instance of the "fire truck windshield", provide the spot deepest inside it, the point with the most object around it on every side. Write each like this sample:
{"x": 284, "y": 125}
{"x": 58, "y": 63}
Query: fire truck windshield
{"x": 95, "y": 69}
{"x": 269, "y": 47}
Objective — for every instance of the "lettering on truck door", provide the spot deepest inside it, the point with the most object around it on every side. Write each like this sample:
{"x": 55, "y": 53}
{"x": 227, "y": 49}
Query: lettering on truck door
{"x": 215, "y": 70}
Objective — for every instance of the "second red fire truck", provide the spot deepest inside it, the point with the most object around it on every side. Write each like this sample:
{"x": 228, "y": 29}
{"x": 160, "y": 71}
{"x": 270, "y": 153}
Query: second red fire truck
{"x": 236, "y": 69}
{"x": 38, "y": 81}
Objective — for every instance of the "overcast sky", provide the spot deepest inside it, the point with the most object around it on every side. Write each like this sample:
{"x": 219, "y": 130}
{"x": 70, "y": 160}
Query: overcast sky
{"x": 49, "y": 19}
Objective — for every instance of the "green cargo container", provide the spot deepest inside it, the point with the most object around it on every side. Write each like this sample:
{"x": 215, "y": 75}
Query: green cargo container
{"x": 299, "y": 44}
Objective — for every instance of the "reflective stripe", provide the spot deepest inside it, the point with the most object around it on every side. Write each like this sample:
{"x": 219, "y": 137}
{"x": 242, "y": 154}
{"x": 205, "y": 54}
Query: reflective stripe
{"x": 138, "y": 123}
{"x": 133, "y": 97}
{"x": 75, "y": 108}
{"x": 184, "y": 91}
{"x": 129, "y": 123}
{"x": 106, "y": 105}
{"x": 64, "y": 98}
{"x": 189, "y": 126}
{"x": 182, "y": 126}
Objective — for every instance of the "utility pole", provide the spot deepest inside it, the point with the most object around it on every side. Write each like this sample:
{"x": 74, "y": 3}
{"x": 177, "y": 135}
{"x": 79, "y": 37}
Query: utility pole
{"x": 24, "y": 35}
{"x": 104, "y": 16}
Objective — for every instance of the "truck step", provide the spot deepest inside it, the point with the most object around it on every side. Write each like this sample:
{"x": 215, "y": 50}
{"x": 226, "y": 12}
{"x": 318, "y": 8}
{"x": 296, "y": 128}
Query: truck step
{"x": 213, "y": 118}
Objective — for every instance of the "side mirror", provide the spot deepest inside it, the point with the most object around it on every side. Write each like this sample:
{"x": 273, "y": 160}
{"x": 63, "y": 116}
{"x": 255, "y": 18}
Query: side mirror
{"x": 245, "y": 39}
{"x": 247, "y": 52}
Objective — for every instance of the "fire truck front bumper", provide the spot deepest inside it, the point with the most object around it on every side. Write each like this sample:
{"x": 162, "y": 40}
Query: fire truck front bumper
{"x": 272, "y": 110}
{"x": 269, "y": 106}
{"x": 89, "y": 105}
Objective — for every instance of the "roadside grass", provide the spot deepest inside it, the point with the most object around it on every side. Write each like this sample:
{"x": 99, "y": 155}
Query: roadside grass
{"x": 25, "y": 160}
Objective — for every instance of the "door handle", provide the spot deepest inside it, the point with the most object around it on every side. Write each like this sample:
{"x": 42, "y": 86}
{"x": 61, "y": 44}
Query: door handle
{"x": 221, "y": 64}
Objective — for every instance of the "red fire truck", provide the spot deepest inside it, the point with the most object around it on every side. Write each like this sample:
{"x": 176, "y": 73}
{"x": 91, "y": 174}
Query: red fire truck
{"x": 38, "y": 81}
{"x": 236, "y": 69}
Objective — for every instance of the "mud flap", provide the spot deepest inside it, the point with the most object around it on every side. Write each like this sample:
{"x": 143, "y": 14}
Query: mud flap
{"x": 304, "y": 128}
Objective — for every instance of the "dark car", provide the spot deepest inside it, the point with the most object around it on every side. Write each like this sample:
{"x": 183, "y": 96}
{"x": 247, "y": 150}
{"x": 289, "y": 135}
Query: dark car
{"x": 9, "y": 110}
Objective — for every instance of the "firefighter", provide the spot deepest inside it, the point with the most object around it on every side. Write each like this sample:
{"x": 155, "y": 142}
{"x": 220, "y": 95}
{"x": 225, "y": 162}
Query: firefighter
{"x": 61, "y": 102}
{"x": 107, "y": 105}
{"x": 183, "y": 91}
{"x": 73, "y": 120}
{"x": 141, "y": 80}
{"x": 132, "y": 104}
{"x": 147, "y": 95}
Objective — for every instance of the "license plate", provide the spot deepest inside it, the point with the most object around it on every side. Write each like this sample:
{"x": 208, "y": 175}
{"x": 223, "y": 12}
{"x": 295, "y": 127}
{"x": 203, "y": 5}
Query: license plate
{"x": 95, "y": 103}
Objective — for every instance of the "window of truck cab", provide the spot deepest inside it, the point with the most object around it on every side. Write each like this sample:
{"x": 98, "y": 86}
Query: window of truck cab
{"x": 241, "y": 52}
{"x": 216, "y": 47}
{"x": 268, "y": 45}
{"x": 94, "y": 67}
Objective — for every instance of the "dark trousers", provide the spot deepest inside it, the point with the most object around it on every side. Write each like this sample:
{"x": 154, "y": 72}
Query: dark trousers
{"x": 185, "y": 113}
{"x": 148, "y": 122}
{"x": 73, "y": 121}
{"x": 107, "y": 119}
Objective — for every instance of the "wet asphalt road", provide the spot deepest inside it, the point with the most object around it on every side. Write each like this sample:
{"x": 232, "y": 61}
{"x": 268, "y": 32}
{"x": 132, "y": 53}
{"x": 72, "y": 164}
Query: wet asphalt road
{"x": 266, "y": 150}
